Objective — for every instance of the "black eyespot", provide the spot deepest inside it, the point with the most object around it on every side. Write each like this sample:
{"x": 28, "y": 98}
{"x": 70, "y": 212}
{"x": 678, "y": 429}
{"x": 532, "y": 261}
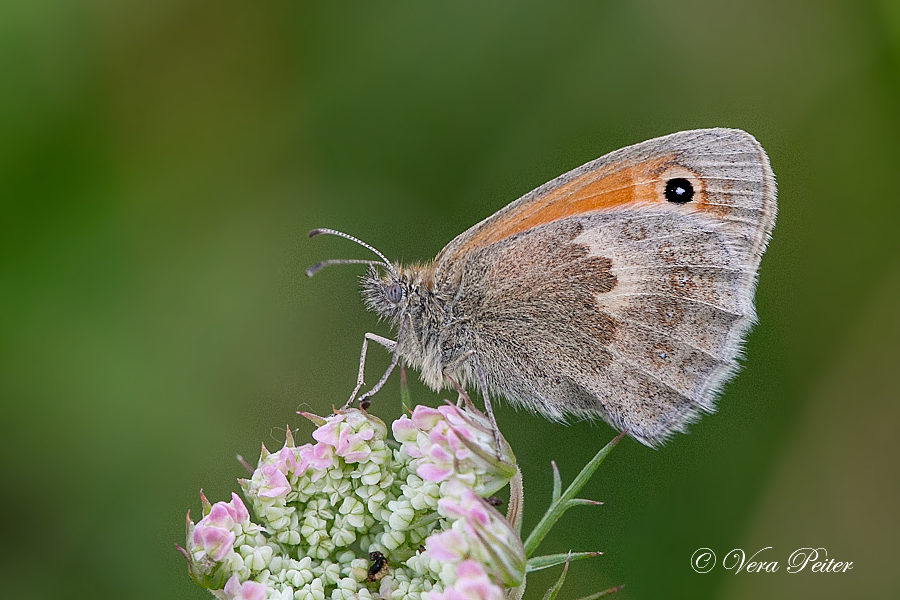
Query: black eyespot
{"x": 394, "y": 293}
{"x": 679, "y": 190}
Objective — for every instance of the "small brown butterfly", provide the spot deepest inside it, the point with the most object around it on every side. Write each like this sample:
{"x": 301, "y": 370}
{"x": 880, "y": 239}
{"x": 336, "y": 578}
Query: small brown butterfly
{"x": 622, "y": 289}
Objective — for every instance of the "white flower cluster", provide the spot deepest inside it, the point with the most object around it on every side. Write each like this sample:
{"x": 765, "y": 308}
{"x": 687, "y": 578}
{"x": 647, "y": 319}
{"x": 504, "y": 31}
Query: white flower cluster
{"x": 350, "y": 517}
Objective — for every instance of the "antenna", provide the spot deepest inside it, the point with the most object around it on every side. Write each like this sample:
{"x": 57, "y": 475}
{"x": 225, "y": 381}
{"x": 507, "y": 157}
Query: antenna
{"x": 348, "y": 261}
{"x": 338, "y": 261}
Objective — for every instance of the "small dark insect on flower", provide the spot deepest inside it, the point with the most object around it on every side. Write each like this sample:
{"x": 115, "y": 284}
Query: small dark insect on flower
{"x": 495, "y": 501}
{"x": 379, "y": 566}
{"x": 421, "y": 549}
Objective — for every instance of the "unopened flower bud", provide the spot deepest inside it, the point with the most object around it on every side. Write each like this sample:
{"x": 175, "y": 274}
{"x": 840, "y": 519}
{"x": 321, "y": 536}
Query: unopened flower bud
{"x": 451, "y": 442}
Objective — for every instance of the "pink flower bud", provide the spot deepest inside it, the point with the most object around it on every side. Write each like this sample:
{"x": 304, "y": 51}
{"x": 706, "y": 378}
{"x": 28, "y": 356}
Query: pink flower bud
{"x": 450, "y": 442}
{"x": 425, "y": 418}
{"x": 249, "y": 590}
{"x": 236, "y": 510}
{"x": 472, "y": 583}
{"x": 213, "y": 532}
{"x": 404, "y": 430}
{"x": 330, "y": 432}
{"x": 491, "y": 539}
{"x": 349, "y": 433}
{"x": 318, "y": 457}
{"x": 448, "y": 545}
{"x": 274, "y": 484}
{"x": 286, "y": 461}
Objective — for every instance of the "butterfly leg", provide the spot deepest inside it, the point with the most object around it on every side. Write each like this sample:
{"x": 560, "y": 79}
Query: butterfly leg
{"x": 471, "y": 357}
{"x": 389, "y": 344}
{"x": 482, "y": 384}
{"x": 463, "y": 397}
{"x": 395, "y": 358}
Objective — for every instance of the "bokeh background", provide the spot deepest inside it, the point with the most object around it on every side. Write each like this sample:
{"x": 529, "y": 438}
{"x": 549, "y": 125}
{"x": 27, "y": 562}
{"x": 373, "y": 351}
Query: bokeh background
{"x": 160, "y": 163}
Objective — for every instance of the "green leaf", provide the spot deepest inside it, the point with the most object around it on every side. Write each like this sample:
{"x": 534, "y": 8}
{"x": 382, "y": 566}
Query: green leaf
{"x": 553, "y": 591}
{"x": 581, "y": 502}
{"x": 603, "y": 594}
{"x": 539, "y": 563}
{"x": 561, "y": 504}
{"x": 557, "y": 482}
{"x": 515, "y": 510}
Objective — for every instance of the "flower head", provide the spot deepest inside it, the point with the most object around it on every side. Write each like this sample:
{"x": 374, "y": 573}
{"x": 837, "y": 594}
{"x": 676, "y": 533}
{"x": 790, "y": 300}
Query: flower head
{"x": 324, "y": 509}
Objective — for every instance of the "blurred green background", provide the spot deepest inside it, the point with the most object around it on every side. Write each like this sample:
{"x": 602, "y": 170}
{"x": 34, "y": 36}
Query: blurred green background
{"x": 160, "y": 163}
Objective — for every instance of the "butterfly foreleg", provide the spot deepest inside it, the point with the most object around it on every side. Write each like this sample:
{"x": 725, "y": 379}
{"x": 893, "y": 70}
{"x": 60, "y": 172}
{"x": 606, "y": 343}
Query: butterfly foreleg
{"x": 389, "y": 344}
{"x": 395, "y": 358}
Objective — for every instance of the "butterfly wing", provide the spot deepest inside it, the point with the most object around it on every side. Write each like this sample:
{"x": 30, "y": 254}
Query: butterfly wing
{"x": 596, "y": 295}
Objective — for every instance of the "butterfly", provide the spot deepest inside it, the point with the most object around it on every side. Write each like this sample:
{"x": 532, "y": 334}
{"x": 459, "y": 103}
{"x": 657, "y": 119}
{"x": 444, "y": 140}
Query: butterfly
{"x": 621, "y": 290}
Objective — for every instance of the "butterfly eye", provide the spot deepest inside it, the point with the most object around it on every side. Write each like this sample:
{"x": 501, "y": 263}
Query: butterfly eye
{"x": 394, "y": 293}
{"x": 679, "y": 190}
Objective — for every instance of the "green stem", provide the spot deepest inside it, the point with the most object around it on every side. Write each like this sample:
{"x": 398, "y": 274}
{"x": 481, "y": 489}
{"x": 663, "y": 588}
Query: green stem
{"x": 405, "y": 398}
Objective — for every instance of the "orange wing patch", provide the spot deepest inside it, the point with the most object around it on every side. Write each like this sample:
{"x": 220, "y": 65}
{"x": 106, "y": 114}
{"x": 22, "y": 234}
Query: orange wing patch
{"x": 609, "y": 186}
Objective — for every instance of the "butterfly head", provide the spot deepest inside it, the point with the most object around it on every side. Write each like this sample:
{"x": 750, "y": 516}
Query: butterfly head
{"x": 391, "y": 293}
{"x": 390, "y": 290}
{"x": 387, "y": 293}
